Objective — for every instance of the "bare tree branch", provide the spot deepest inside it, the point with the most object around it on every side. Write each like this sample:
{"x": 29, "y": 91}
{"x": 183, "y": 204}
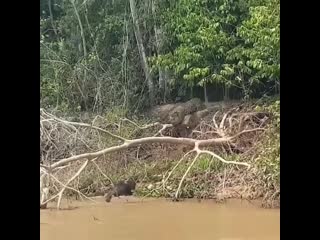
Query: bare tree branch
{"x": 227, "y": 136}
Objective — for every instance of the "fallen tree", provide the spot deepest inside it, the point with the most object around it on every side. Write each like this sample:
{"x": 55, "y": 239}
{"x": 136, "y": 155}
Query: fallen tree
{"x": 222, "y": 135}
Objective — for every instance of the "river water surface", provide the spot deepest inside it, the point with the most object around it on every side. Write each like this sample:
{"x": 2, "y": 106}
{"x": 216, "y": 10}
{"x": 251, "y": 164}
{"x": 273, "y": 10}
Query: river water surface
{"x": 134, "y": 219}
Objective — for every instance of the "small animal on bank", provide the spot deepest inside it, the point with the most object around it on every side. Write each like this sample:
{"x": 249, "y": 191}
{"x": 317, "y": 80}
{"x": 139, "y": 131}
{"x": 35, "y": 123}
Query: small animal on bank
{"x": 121, "y": 189}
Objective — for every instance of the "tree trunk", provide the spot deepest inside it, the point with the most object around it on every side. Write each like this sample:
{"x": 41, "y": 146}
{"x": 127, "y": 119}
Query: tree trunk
{"x": 142, "y": 51}
{"x": 84, "y": 47}
{"x": 159, "y": 44}
{"x": 44, "y": 190}
{"x": 51, "y": 18}
{"x": 167, "y": 76}
{"x": 226, "y": 93}
{"x": 205, "y": 93}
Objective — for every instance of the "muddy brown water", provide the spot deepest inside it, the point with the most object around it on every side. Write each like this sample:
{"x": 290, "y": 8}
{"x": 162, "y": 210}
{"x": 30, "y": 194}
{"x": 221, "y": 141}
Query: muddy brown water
{"x": 136, "y": 219}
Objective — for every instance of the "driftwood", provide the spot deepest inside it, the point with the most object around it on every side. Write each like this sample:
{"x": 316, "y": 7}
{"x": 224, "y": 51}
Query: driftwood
{"x": 225, "y": 130}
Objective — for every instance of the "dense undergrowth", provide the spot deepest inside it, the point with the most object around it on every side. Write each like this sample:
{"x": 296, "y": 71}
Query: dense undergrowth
{"x": 209, "y": 178}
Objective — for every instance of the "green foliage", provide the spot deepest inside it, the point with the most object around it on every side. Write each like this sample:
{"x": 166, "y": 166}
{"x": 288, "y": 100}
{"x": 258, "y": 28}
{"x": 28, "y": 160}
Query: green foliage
{"x": 89, "y": 56}
{"x": 260, "y": 48}
{"x": 271, "y": 105}
{"x": 268, "y": 152}
{"x": 232, "y": 42}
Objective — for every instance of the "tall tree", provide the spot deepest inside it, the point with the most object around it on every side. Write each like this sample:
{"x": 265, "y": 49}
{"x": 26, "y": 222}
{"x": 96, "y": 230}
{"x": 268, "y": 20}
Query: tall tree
{"x": 142, "y": 51}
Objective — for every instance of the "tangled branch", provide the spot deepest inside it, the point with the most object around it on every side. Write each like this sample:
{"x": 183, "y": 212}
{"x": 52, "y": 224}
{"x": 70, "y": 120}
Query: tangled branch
{"x": 55, "y": 131}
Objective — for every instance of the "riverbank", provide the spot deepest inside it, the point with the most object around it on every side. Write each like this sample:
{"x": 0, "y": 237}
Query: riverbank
{"x": 151, "y": 165}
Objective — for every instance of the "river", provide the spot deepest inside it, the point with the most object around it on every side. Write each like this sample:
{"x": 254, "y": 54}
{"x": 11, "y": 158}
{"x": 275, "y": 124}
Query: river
{"x": 136, "y": 219}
